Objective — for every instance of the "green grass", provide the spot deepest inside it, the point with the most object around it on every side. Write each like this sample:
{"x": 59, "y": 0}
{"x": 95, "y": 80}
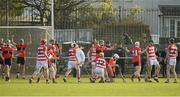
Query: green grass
{"x": 72, "y": 88}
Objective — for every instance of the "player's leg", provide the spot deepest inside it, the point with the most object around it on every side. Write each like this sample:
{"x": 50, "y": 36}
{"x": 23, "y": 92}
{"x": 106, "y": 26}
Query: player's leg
{"x": 18, "y": 67}
{"x": 39, "y": 66}
{"x": 101, "y": 73}
{"x": 6, "y": 72}
{"x": 46, "y": 71}
{"x": 78, "y": 72}
{"x": 70, "y": 66}
{"x": 136, "y": 64}
{"x": 120, "y": 72}
{"x": 168, "y": 73}
{"x": 149, "y": 69}
{"x": 137, "y": 72}
{"x": 110, "y": 73}
{"x": 173, "y": 69}
{"x": 7, "y": 68}
{"x": 52, "y": 72}
{"x": 157, "y": 69}
{"x": 2, "y": 70}
{"x": 55, "y": 70}
{"x": 132, "y": 77}
{"x": 23, "y": 68}
{"x": 93, "y": 67}
{"x": 106, "y": 75}
{"x": 39, "y": 75}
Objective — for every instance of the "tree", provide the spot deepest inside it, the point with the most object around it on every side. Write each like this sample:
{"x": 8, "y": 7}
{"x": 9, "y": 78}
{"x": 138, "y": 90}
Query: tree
{"x": 106, "y": 12}
{"x": 8, "y": 10}
{"x": 83, "y": 13}
{"x": 133, "y": 12}
{"x": 42, "y": 9}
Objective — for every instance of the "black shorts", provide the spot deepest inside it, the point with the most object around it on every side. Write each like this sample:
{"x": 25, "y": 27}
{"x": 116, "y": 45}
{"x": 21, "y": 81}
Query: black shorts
{"x": 8, "y": 61}
{"x": 53, "y": 60}
{"x": 1, "y": 62}
{"x": 120, "y": 62}
{"x": 136, "y": 63}
{"x": 21, "y": 60}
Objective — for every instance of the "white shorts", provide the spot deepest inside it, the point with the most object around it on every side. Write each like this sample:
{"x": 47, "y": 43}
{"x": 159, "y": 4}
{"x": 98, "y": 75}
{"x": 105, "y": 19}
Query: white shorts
{"x": 171, "y": 61}
{"x": 93, "y": 64}
{"x": 41, "y": 64}
{"x": 153, "y": 62}
{"x": 99, "y": 72}
{"x": 71, "y": 64}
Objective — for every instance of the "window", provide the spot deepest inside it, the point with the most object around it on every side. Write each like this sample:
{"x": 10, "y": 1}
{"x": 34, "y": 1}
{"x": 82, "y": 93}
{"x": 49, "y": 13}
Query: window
{"x": 172, "y": 28}
{"x": 178, "y": 29}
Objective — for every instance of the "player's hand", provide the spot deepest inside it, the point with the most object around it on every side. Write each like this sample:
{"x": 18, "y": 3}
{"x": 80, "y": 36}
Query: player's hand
{"x": 165, "y": 60}
{"x": 2, "y": 58}
{"x": 78, "y": 62}
{"x": 126, "y": 48}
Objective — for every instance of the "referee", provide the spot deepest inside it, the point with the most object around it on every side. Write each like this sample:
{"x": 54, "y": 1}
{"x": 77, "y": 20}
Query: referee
{"x": 121, "y": 52}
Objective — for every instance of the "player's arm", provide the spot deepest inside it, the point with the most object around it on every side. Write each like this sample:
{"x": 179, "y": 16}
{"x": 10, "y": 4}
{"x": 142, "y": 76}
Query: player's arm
{"x": 12, "y": 40}
{"x": 127, "y": 50}
{"x": 30, "y": 39}
{"x": 143, "y": 51}
{"x": 88, "y": 55}
{"x": 177, "y": 53}
{"x": 111, "y": 48}
{"x": 83, "y": 56}
{"x": 1, "y": 55}
{"x": 76, "y": 55}
{"x": 13, "y": 46}
{"x": 167, "y": 53}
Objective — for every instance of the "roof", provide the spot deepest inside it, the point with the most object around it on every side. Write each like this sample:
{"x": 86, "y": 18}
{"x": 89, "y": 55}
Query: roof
{"x": 170, "y": 10}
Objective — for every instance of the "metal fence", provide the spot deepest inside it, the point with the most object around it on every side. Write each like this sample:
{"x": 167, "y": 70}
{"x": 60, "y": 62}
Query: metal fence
{"x": 82, "y": 25}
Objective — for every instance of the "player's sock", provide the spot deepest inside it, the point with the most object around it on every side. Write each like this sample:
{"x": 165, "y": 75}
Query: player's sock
{"x": 167, "y": 81}
{"x": 64, "y": 79}
{"x": 92, "y": 80}
{"x": 18, "y": 74}
{"x": 47, "y": 81}
{"x": 30, "y": 80}
{"x": 53, "y": 80}
{"x": 3, "y": 75}
{"x": 132, "y": 78}
{"x": 139, "y": 79}
{"x": 6, "y": 78}
{"x": 38, "y": 79}
{"x": 23, "y": 77}
{"x": 175, "y": 81}
{"x": 156, "y": 79}
{"x": 78, "y": 79}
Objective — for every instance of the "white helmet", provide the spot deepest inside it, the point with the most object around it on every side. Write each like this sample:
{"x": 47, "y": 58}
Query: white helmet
{"x": 137, "y": 44}
{"x": 74, "y": 45}
{"x": 116, "y": 56}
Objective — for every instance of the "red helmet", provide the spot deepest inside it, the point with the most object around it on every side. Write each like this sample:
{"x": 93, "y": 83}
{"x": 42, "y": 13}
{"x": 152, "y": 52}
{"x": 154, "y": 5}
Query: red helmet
{"x": 43, "y": 41}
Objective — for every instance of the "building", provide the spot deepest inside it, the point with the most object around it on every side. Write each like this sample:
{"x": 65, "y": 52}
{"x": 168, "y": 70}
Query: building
{"x": 162, "y": 16}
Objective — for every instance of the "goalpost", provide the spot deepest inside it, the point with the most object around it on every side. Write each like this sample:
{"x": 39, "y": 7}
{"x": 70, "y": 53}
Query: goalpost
{"x": 23, "y": 32}
{"x": 37, "y": 33}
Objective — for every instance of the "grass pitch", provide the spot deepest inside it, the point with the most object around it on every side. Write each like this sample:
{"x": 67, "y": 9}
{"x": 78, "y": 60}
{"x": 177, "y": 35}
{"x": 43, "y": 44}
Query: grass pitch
{"x": 19, "y": 87}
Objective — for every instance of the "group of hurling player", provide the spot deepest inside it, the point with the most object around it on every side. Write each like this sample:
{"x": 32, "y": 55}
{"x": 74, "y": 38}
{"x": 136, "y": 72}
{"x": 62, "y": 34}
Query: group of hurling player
{"x": 102, "y": 68}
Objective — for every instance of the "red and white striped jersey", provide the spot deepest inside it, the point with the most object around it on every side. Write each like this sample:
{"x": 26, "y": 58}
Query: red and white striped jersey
{"x": 172, "y": 51}
{"x": 72, "y": 54}
{"x": 41, "y": 54}
{"x": 101, "y": 63}
{"x": 151, "y": 52}
{"x": 93, "y": 53}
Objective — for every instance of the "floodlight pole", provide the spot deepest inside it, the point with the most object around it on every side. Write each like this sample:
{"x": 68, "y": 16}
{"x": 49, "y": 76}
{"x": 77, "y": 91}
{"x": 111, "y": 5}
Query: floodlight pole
{"x": 52, "y": 18}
